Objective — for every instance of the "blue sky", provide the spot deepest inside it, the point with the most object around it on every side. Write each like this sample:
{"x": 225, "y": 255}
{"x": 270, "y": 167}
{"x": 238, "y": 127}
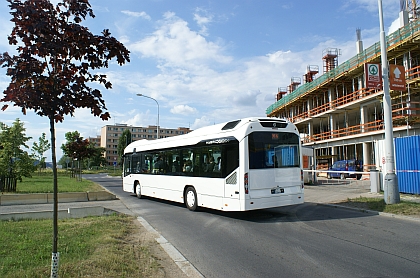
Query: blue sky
{"x": 210, "y": 61}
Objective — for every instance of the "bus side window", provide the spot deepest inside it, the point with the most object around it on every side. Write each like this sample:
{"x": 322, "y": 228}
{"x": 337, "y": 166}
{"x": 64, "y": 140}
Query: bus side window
{"x": 232, "y": 159}
{"x": 198, "y": 164}
{"x": 146, "y": 167}
{"x": 160, "y": 165}
{"x": 176, "y": 165}
{"x": 187, "y": 165}
{"x": 127, "y": 165}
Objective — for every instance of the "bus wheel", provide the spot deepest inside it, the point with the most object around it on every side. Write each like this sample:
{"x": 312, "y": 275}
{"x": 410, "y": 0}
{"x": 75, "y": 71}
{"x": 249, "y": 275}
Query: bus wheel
{"x": 191, "y": 198}
{"x": 138, "y": 190}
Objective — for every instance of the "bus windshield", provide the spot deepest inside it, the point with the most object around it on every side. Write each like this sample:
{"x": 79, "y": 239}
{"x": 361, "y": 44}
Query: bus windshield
{"x": 273, "y": 150}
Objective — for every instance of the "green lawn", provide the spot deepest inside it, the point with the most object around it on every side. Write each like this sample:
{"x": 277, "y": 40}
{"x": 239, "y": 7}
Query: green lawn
{"x": 44, "y": 184}
{"x": 89, "y": 247}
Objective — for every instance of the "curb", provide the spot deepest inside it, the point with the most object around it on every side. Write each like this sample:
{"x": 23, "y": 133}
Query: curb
{"x": 62, "y": 214}
{"x": 48, "y": 198}
{"x": 374, "y": 212}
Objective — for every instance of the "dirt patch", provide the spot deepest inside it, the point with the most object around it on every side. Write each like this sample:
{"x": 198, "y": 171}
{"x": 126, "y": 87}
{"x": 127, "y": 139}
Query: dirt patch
{"x": 143, "y": 238}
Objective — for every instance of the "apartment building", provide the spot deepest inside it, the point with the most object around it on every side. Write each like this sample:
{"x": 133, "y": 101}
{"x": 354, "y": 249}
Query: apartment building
{"x": 339, "y": 116}
{"x": 95, "y": 140}
{"x": 110, "y": 135}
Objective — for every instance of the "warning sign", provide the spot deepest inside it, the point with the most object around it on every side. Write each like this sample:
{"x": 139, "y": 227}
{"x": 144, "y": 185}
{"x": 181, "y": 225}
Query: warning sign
{"x": 397, "y": 77}
{"x": 373, "y": 76}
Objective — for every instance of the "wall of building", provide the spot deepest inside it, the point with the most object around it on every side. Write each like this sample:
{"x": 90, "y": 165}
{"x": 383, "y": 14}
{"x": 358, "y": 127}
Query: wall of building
{"x": 110, "y": 135}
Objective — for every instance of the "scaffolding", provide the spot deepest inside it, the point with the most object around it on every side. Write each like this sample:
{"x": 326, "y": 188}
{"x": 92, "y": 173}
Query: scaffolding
{"x": 408, "y": 33}
{"x": 311, "y": 71}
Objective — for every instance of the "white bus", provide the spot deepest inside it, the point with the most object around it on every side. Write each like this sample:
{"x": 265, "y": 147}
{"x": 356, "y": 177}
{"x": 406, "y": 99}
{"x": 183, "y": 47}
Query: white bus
{"x": 248, "y": 164}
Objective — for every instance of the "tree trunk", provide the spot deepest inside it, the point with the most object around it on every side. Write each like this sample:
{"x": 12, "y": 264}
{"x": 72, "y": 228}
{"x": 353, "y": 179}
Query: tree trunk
{"x": 55, "y": 256}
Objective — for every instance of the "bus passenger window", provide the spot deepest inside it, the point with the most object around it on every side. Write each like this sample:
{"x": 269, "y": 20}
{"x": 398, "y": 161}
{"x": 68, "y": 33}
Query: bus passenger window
{"x": 147, "y": 165}
{"x": 159, "y": 165}
{"x": 176, "y": 165}
{"x": 218, "y": 165}
{"x": 187, "y": 166}
{"x": 212, "y": 163}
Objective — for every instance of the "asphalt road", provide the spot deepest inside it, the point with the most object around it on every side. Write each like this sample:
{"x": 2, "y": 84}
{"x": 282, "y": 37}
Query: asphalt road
{"x": 307, "y": 240}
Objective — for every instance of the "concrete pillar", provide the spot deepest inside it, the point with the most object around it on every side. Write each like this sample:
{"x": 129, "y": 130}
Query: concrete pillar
{"x": 309, "y": 106}
{"x": 367, "y": 160}
{"x": 310, "y": 129}
{"x": 360, "y": 85}
{"x": 363, "y": 118}
{"x": 333, "y": 154}
{"x": 404, "y": 18}
{"x": 332, "y": 124}
{"x": 359, "y": 42}
{"x": 346, "y": 119}
{"x": 331, "y": 97}
{"x": 374, "y": 181}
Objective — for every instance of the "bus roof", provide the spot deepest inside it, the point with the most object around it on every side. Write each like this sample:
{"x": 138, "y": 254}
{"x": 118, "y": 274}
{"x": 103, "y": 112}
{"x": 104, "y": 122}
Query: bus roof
{"x": 209, "y": 132}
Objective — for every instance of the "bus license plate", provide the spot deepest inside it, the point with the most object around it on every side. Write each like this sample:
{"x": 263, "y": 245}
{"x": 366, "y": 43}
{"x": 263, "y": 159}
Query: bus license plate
{"x": 277, "y": 190}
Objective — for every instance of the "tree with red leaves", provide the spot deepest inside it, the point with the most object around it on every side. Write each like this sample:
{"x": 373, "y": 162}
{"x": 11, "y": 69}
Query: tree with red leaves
{"x": 56, "y": 59}
{"x": 78, "y": 149}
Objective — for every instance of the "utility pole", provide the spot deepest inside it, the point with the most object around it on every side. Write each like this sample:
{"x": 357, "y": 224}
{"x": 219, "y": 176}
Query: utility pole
{"x": 391, "y": 191}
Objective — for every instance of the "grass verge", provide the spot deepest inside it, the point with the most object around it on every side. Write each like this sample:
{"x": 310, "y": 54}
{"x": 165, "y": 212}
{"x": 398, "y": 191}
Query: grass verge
{"x": 378, "y": 204}
{"x": 89, "y": 247}
{"x": 44, "y": 184}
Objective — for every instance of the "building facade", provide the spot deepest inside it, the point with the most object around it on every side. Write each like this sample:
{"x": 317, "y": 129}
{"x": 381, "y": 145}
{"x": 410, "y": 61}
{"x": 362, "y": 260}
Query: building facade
{"x": 339, "y": 116}
{"x": 110, "y": 135}
{"x": 95, "y": 140}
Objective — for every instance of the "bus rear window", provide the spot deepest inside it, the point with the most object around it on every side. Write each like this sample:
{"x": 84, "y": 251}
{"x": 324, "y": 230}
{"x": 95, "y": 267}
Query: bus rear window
{"x": 273, "y": 150}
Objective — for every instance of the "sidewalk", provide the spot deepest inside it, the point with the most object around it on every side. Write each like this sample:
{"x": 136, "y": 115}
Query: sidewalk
{"x": 65, "y": 210}
{"x": 335, "y": 191}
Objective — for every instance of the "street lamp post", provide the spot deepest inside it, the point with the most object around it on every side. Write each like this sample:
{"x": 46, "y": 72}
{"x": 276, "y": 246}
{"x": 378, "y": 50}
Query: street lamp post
{"x": 141, "y": 95}
{"x": 391, "y": 191}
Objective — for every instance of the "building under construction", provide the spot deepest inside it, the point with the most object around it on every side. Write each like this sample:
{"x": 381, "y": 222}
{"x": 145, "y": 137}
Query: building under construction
{"x": 338, "y": 115}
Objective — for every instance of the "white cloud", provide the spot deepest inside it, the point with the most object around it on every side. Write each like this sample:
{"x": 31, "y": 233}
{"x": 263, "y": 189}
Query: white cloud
{"x": 137, "y": 120}
{"x": 202, "y": 18}
{"x": 137, "y": 14}
{"x": 174, "y": 44}
{"x": 183, "y": 110}
{"x": 241, "y": 88}
{"x": 124, "y": 39}
{"x": 201, "y": 122}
